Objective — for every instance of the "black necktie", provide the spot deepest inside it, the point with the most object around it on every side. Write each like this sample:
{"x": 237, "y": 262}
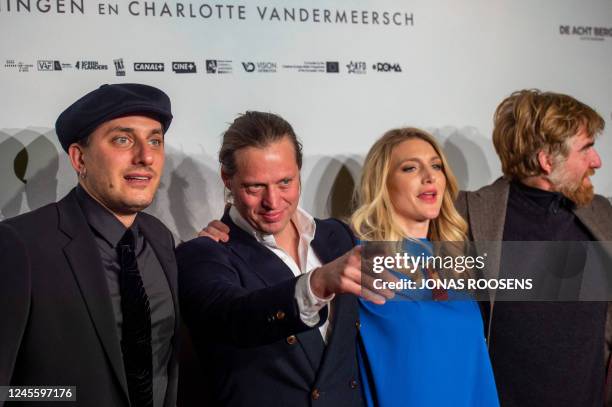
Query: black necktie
{"x": 136, "y": 327}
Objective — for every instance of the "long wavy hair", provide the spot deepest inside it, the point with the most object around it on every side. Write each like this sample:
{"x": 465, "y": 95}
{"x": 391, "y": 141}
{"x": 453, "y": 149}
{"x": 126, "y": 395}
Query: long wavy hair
{"x": 374, "y": 218}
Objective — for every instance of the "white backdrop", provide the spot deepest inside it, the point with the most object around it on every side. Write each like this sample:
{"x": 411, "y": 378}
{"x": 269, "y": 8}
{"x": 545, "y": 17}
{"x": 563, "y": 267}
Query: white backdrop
{"x": 458, "y": 60}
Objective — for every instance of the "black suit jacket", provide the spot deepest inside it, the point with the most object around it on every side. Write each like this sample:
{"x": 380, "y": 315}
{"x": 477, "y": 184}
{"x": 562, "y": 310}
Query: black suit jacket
{"x": 58, "y": 322}
{"x": 238, "y": 301}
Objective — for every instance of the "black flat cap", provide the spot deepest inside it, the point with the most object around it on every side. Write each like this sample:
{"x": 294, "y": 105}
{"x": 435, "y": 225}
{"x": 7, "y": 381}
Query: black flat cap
{"x": 108, "y": 102}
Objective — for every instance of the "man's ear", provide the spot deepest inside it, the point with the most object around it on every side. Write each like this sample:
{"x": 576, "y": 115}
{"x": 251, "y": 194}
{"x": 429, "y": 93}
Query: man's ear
{"x": 546, "y": 162}
{"x": 227, "y": 179}
{"x": 76, "y": 154}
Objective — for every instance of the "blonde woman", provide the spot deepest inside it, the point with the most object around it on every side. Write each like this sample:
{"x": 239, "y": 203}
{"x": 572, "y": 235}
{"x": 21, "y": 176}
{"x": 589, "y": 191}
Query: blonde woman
{"x": 415, "y": 352}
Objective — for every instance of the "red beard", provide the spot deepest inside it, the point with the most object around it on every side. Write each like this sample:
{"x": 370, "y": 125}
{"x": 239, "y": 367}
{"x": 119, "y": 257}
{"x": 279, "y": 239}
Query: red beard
{"x": 581, "y": 195}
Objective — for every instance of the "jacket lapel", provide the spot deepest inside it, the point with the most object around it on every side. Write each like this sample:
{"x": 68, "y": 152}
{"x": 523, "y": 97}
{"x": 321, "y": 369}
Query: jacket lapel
{"x": 600, "y": 227}
{"x": 344, "y": 307}
{"x": 86, "y": 265}
{"x": 487, "y": 215}
{"x": 487, "y": 211}
{"x": 261, "y": 261}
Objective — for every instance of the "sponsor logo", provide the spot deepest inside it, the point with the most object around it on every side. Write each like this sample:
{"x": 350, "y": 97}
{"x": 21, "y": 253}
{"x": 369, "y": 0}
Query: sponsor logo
{"x": 211, "y": 66}
{"x": 184, "y": 67}
{"x": 263, "y": 67}
{"x": 248, "y": 66}
{"x": 46, "y": 65}
{"x": 119, "y": 67}
{"x": 51, "y": 65}
{"x": 90, "y": 66}
{"x": 308, "y": 66}
{"x": 587, "y": 33}
{"x": 219, "y": 66}
{"x": 21, "y": 66}
{"x": 268, "y": 67}
{"x": 357, "y": 67}
{"x": 387, "y": 67}
{"x": 148, "y": 67}
{"x": 332, "y": 67}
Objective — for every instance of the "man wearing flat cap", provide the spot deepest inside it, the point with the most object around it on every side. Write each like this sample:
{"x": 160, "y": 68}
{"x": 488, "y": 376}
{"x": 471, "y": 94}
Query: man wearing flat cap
{"x": 88, "y": 284}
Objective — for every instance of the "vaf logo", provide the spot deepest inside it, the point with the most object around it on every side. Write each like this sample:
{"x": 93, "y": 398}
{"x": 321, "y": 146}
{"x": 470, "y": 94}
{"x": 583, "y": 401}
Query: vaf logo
{"x": 46, "y": 65}
{"x": 248, "y": 66}
{"x": 49, "y": 65}
{"x": 386, "y": 67}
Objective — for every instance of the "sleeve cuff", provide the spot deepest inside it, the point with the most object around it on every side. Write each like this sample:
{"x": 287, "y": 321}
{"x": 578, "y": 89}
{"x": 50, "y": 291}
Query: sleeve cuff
{"x": 308, "y": 303}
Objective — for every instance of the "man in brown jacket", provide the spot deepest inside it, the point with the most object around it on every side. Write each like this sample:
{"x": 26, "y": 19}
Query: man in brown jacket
{"x": 544, "y": 353}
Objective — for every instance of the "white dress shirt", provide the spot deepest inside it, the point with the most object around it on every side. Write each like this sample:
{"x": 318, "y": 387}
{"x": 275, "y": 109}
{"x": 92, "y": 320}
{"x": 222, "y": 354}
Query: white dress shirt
{"x": 308, "y": 303}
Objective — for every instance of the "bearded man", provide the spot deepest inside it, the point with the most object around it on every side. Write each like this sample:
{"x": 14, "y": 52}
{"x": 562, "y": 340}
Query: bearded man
{"x": 544, "y": 353}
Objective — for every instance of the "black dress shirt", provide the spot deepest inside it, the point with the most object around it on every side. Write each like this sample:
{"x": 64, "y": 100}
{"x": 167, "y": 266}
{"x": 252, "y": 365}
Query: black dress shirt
{"x": 108, "y": 231}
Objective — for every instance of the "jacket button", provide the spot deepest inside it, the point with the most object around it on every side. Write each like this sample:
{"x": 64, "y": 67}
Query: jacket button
{"x": 358, "y": 324}
{"x": 292, "y": 340}
{"x": 315, "y": 394}
{"x": 353, "y": 383}
{"x": 280, "y": 315}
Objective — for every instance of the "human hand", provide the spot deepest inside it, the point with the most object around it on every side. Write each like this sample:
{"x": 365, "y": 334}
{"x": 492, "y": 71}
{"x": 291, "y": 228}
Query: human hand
{"x": 343, "y": 275}
{"x": 215, "y": 230}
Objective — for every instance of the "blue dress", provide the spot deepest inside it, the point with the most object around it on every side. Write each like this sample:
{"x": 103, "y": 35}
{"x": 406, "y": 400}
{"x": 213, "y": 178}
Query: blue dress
{"x": 424, "y": 353}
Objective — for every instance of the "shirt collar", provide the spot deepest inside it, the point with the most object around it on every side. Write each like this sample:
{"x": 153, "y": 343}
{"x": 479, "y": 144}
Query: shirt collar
{"x": 550, "y": 201}
{"x": 303, "y": 221}
{"x": 105, "y": 224}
